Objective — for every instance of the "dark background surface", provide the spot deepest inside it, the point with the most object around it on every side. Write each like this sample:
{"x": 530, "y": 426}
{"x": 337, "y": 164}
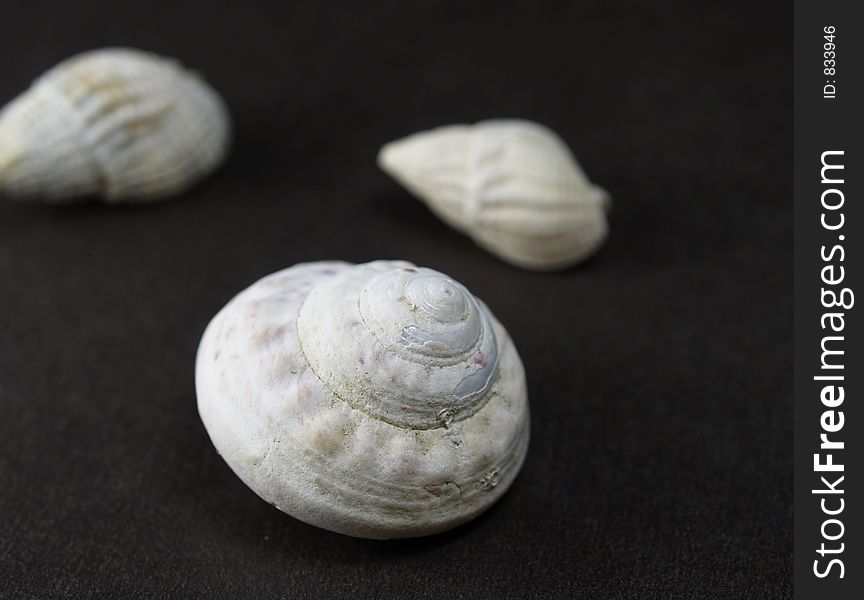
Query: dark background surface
{"x": 659, "y": 372}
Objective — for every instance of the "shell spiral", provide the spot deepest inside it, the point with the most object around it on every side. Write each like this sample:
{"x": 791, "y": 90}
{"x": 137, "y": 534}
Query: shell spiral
{"x": 118, "y": 124}
{"x": 379, "y": 400}
{"x": 512, "y": 185}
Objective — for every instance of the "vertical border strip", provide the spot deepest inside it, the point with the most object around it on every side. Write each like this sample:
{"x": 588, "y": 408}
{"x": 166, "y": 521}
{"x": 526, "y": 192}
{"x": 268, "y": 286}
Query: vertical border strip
{"x": 829, "y": 224}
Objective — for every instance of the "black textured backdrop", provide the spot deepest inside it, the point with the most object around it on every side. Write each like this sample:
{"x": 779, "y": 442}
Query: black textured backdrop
{"x": 659, "y": 372}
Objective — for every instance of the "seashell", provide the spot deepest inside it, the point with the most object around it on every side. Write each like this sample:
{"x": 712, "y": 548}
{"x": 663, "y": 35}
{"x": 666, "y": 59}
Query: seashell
{"x": 512, "y": 185}
{"x": 119, "y": 124}
{"x": 379, "y": 400}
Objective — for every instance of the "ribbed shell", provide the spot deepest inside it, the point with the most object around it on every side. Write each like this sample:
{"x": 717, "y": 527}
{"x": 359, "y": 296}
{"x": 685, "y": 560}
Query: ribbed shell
{"x": 512, "y": 185}
{"x": 117, "y": 124}
{"x": 354, "y": 423}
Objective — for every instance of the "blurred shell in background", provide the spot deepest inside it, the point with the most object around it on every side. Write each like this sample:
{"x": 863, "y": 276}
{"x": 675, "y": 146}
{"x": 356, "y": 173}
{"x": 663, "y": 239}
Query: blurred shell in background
{"x": 512, "y": 185}
{"x": 118, "y": 124}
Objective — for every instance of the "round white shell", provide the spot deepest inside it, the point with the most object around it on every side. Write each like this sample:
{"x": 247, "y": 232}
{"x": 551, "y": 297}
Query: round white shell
{"x": 118, "y": 124}
{"x": 512, "y": 185}
{"x": 379, "y": 400}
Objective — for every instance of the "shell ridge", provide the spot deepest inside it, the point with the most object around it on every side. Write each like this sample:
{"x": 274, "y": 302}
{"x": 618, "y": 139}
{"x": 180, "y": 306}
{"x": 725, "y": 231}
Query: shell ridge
{"x": 330, "y": 390}
{"x": 98, "y": 176}
{"x": 468, "y": 386}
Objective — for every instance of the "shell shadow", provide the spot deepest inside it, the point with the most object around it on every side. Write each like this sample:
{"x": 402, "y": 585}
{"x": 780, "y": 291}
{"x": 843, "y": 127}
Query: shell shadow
{"x": 92, "y": 206}
{"x": 387, "y": 549}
